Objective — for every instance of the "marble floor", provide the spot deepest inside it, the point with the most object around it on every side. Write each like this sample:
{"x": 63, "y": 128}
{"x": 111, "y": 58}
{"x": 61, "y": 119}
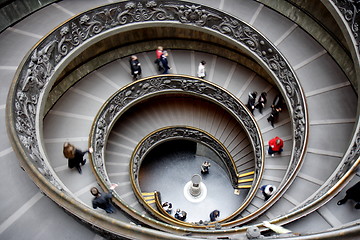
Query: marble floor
{"x": 170, "y": 167}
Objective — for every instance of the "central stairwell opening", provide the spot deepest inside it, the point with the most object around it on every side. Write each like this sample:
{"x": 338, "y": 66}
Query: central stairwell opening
{"x": 168, "y": 169}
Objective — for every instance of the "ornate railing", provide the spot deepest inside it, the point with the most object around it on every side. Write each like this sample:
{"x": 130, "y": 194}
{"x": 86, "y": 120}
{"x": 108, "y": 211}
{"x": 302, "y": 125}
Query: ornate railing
{"x": 181, "y": 132}
{"x": 351, "y": 160}
{"x": 189, "y": 133}
{"x": 44, "y": 63}
{"x": 149, "y": 87}
{"x": 350, "y": 11}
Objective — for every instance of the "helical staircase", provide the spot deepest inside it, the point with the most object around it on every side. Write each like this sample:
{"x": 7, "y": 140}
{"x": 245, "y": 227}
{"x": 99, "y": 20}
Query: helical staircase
{"x": 66, "y": 77}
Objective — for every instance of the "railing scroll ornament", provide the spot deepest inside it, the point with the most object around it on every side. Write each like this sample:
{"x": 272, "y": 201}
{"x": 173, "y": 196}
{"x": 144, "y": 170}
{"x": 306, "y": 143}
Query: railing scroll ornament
{"x": 175, "y": 133}
{"x": 181, "y": 132}
{"x": 39, "y": 70}
{"x": 351, "y": 12}
{"x": 156, "y": 85}
{"x": 147, "y": 88}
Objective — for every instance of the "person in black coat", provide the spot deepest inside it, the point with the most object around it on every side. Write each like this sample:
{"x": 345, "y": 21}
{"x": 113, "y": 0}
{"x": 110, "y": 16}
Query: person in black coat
{"x": 164, "y": 62}
{"x": 103, "y": 200}
{"x": 277, "y": 102}
{"x": 274, "y": 115}
{"x": 251, "y": 101}
{"x": 181, "y": 215}
{"x": 352, "y": 193}
{"x": 214, "y": 215}
{"x": 135, "y": 67}
{"x": 261, "y": 102}
{"x": 276, "y": 108}
{"x": 205, "y": 167}
{"x": 75, "y": 156}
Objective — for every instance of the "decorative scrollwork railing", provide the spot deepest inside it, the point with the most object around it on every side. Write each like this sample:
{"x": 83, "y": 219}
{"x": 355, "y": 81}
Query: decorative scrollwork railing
{"x": 40, "y": 68}
{"x": 180, "y": 132}
{"x": 174, "y": 133}
{"x": 351, "y": 13}
{"x": 169, "y": 84}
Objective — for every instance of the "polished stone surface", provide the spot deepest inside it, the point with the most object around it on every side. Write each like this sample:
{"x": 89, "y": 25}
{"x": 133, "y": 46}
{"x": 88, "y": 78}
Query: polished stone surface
{"x": 26, "y": 214}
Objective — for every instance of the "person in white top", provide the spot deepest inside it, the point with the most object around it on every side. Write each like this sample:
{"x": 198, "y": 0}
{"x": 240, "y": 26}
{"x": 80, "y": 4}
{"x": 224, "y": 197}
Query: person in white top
{"x": 268, "y": 191}
{"x": 205, "y": 167}
{"x": 167, "y": 207}
{"x": 201, "y": 70}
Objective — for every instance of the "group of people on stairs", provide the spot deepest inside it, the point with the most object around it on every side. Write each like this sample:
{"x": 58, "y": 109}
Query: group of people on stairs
{"x": 179, "y": 214}
{"x": 162, "y": 64}
{"x": 76, "y": 159}
{"x": 276, "y": 106}
{"x": 103, "y": 200}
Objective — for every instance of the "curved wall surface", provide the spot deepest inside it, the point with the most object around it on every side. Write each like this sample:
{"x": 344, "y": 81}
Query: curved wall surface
{"x": 28, "y": 209}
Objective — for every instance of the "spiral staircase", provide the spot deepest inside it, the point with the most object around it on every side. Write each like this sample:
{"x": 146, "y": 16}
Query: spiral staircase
{"x": 65, "y": 77}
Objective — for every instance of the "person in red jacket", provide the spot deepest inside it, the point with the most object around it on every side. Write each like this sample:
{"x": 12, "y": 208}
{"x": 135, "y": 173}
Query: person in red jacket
{"x": 275, "y": 146}
{"x": 159, "y": 52}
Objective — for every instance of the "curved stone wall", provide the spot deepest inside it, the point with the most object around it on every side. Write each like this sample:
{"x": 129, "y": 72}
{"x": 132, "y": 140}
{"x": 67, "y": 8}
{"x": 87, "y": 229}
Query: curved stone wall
{"x": 149, "y": 87}
{"x": 12, "y": 11}
{"x": 48, "y": 58}
{"x": 191, "y": 134}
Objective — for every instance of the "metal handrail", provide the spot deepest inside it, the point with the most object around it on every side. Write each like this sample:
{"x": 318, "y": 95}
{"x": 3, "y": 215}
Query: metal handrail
{"x": 150, "y": 87}
{"x": 25, "y": 86}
